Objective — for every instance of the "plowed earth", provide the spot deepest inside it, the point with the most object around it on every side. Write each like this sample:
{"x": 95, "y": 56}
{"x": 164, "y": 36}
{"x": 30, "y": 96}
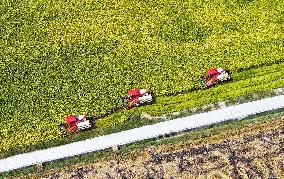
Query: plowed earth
{"x": 255, "y": 151}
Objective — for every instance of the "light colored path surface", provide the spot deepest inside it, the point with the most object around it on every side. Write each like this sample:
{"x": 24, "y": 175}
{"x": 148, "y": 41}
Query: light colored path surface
{"x": 141, "y": 133}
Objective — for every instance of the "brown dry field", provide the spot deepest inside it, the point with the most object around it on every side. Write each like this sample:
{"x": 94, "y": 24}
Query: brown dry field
{"x": 255, "y": 151}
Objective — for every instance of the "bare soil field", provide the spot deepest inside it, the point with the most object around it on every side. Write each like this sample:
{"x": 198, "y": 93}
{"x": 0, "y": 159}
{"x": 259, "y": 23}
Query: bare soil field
{"x": 255, "y": 151}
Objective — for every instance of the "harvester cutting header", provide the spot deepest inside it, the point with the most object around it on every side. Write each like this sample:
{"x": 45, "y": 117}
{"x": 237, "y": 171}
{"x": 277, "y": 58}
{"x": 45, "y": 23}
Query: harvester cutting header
{"x": 215, "y": 76}
{"x": 76, "y": 123}
{"x": 137, "y": 98}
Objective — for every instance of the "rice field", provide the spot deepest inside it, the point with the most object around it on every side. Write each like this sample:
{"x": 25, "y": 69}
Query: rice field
{"x": 72, "y": 57}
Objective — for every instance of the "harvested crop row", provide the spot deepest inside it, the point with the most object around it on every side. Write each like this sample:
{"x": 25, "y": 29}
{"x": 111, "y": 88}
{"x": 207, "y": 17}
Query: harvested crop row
{"x": 246, "y": 85}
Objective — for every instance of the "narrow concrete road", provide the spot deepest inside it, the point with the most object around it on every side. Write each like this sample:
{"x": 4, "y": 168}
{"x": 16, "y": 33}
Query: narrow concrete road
{"x": 146, "y": 132}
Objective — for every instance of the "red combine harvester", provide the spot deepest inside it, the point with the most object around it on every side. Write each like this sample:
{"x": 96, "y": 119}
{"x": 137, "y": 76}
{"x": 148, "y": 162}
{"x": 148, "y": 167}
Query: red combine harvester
{"x": 215, "y": 76}
{"x": 137, "y": 98}
{"x": 76, "y": 123}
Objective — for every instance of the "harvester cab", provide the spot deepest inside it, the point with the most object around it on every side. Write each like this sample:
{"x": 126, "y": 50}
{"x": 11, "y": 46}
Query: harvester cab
{"x": 76, "y": 123}
{"x": 137, "y": 98}
{"x": 215, "y": 76}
